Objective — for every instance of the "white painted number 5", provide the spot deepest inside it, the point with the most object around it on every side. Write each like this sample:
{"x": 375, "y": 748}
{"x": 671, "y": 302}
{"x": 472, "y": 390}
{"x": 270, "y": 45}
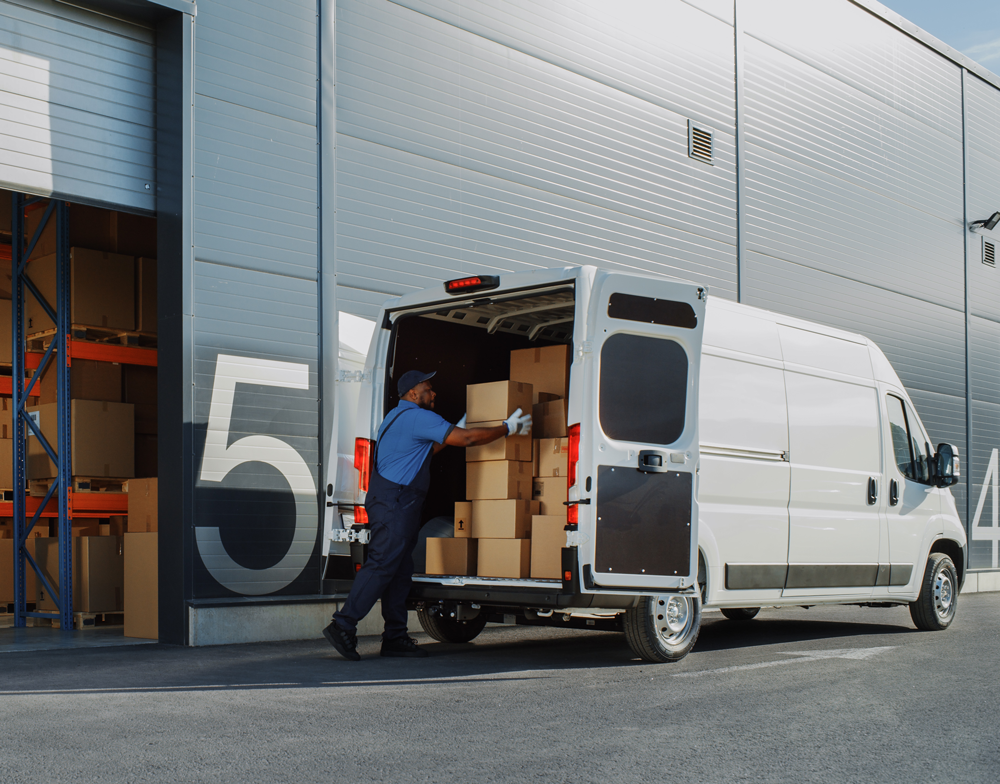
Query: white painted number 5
{"x": 218, "y": 460}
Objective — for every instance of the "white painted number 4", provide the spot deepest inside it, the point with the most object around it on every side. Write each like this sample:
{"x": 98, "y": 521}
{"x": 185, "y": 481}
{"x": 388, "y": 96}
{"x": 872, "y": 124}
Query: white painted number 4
{"x": 219, "y": 459}
{"x": 989, "y": 532}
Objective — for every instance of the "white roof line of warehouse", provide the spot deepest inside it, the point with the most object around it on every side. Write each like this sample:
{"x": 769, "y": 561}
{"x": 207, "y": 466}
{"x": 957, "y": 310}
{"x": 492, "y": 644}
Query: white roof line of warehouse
{"x": 875, "y": 7}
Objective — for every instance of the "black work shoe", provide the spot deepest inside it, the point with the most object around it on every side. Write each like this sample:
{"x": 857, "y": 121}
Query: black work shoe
{"x": 403, "y": 647}
{"x": 346, "y": 643}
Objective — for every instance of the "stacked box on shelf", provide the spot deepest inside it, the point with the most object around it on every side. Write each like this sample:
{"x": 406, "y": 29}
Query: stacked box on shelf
{"x": 141, "y": 565}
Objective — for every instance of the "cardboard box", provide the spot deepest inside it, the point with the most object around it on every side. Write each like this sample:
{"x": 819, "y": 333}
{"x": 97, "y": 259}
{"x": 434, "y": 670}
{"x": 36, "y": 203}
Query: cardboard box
{"x": 103, "y": 442}
{"x": 86, "y": 526}
{"x": 553, "y": 457}
{"x": 551, "y": 492}
{"x": 546, "y": 369}
{"x": 536, "y": 508}
{"x": 548, "y": 537}
{"x": 498, "y": 479}
{"x": 143, "y": 509}
{"x": 92, "y": 227}
{"x": 117, "y": 525}
{"x": 507, "y": 448}
{"x": 504, "y": 557}
{"x": 102, "y": 291}
{"x": 501, "y": 519}
{"x": 463, "y": 519}
{"x": 146, "y": 455}
{"x": 447, "y": 555}
{"x": 496, "y": 401}
{"x": 7, "y": 570}
{"x": 88, "y": 380}
{"x": 139, "y": 387}
{"x": 145, "y": 295}
{"x": 142, "y": 587}
{"x": 98, "y": 573}
{"x": 6, "y": 418}
{"x": 548, "y": 420}
{"x": 6, "y": 339}
{"x": 6, "y": 464}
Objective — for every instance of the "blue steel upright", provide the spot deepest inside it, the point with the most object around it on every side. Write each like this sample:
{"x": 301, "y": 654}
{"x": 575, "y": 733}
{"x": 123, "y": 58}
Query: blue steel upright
{"x": 56, "y": 351}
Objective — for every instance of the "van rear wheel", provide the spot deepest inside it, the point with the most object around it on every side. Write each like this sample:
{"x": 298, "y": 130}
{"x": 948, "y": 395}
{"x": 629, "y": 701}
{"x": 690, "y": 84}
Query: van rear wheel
{"x": 663, "y": 628}
{"x": 934, "y": 609}
{"x": 445, "y": 629}
{"x": 740, "y": 613}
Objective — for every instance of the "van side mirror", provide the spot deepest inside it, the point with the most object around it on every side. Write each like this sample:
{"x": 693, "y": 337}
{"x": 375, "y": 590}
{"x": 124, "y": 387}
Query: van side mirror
{"x": 947, "y": 470}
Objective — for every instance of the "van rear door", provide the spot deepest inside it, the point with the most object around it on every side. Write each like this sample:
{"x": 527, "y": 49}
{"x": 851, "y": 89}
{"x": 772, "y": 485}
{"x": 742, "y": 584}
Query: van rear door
{"x": 639, "y": 435}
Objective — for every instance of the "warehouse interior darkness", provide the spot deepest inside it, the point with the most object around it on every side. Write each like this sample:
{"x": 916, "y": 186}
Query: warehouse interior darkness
{"x": 114, "y": 429}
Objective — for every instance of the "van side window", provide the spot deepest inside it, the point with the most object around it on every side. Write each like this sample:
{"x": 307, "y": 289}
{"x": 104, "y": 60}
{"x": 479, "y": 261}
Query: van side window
{"x": 921, "y": 459}
{"x": 643, "y": 389}
{"x": 910, "y": 453}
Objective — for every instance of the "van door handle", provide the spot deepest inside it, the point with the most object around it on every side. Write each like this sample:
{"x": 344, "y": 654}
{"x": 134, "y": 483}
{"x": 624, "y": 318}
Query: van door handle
{"x": 872, "y": 491}
{"x": 893, "y": 492}
{"x": 653, "y": 461}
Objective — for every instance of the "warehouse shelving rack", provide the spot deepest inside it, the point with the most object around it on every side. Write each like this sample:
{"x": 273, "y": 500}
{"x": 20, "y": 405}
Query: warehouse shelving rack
{"x": 59, "y": 502}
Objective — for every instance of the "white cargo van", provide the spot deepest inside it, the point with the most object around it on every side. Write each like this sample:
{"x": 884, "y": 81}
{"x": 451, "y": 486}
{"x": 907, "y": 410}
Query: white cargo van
{"x": 719, "y": 454}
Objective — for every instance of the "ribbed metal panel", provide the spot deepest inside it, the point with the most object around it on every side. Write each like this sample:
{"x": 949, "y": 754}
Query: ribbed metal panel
{"x": 475, "y": 139}
{"x": 77, "y": 111}
{"x": 982, "y": 106}
{"x": 985, "y": 427}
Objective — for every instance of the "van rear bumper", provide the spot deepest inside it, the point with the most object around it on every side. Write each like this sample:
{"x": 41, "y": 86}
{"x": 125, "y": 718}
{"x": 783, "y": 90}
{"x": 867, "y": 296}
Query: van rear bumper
{"x": 422, "y": 593}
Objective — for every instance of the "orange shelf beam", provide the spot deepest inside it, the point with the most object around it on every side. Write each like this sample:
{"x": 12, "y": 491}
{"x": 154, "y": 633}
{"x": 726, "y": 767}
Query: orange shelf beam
{"x": 101, "y": 352}
{"x": 80, "y": 505}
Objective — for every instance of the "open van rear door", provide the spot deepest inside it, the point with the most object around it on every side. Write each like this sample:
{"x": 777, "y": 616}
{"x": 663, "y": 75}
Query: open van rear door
{"x": 641, "y": 417}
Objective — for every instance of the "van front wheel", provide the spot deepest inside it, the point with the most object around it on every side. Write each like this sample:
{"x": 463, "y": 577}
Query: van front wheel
{"x": 663, "y": 628}
{"x": 935, "y": 607}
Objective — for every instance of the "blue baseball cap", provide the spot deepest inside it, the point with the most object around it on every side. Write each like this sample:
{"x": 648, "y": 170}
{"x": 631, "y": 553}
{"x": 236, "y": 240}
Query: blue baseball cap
{"x": 410, "y": 379}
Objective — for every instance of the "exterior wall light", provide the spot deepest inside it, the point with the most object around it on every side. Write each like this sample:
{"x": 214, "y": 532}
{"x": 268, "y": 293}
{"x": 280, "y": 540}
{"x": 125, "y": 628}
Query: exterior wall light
{"x": 990, "y": 223}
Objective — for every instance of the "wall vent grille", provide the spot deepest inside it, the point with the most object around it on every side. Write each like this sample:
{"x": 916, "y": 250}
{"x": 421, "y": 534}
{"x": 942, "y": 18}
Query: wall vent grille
{"x": 989, "y": 253}
{"x": 700, "y": 143}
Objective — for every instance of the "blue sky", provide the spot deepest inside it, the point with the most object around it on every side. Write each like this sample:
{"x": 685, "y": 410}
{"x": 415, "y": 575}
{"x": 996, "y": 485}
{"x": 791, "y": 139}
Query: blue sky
{"x": 970, "y": 26}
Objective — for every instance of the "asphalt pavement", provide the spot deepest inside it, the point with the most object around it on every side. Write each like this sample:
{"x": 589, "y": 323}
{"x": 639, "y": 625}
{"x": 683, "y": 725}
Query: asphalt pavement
{"x": 838, "y": 694}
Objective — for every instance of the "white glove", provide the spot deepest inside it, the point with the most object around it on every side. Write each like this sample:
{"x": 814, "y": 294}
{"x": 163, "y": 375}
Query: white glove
{"x": 518, "y": 424}
{"x": 461, "y": 422}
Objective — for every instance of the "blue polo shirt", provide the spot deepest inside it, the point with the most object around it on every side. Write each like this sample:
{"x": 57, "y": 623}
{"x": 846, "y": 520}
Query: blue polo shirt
{"x": 405, "y": 447}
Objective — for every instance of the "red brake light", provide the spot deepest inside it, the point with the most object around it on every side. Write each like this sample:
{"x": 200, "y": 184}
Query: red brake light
{"x": 473, "y": 283}
{"x": 360, "y": 515}
{"x": 574, "y": 453}
{"x": 363, "y": 462}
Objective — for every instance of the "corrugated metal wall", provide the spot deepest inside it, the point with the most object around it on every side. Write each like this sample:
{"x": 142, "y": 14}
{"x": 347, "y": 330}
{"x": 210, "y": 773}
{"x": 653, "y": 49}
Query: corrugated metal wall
{"x": 255, "y": 275}
{"x": 473, "y": 136}
{"x": 77, "y": 113}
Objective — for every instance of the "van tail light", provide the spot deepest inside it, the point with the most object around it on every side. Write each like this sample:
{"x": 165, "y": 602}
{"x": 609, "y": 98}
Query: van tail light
{"x": 472, "y": 283}
{"x": 363, "y": 462}
{"x": 360, "y": 515}
{"x": 573, "y": 511}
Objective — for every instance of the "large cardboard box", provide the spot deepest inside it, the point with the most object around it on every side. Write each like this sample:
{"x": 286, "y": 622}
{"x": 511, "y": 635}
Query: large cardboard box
{"x": 447, "y": 555}
{"x": 553, "y": 456}
{"x": 507, "y": 448}
{"x": 504, "y": 557}
{"x": 142, "y": 608}
{"x": 546, "y": 369}
{"x": 145, "y": 295}
{"x": 103, "y": 441}
{"x": 463, "y": 519}
{"x": 6, "y": 339}
{"x": 497, "y": 400}
{"x": 6, "y": 464}
{"x": 501, "y": 519}
{"x": 498, "y": 479}
{"x": 548, "y": 537}
{"x": 551, "y": 492}
{"x": 143, "y": 509}
{"x": 88, "y": 380}
{"x": 102, "y": 290}
{"x": 548, "y": 419}
{"x": 7, "y": 571}
{"x": 98, "y": 573}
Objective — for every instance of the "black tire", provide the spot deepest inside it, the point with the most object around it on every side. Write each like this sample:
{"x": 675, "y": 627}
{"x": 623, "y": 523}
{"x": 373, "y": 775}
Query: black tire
{"x": 663, "y": 628}
{"x": 445, "y": 629}
{"x": 935, "y": 607}
{"x": 740, "y": 613}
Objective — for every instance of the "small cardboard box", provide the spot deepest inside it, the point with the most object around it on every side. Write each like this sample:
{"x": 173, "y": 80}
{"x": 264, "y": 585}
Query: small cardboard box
{"x": 548, "y": 420}
{"x": 496, "y": 401}
{"x": 145, "y": 295}
{"x": 6, "y": 464}
{"x": 507, "y": 448}
{"x": 7, "y": 570}
{"x": 103, "y": 441}
{"x": 102, "y": 290}
{"x": 553, "y": 457}
{"x": 6, "y": 418}
{"x": 6, "y": 339}
{"x": 447, "y": 555}
{"x": 501, "y": 519}
{"x": 548, "y": 537}
{"x": 504, "y": 558}
{"x": 536, "y": 508}
{"x": 551, "y": 492}
{"x": 143, "y": 511}
{"x": 498, "y": 479}
{"x": 142, "y": 587}
{"x": 139, "y": 388}
{"x": 88, "y": 380}
{"x": 98, "y": 573}
{"x": 463, "y": 519}
{"x": 546, "y": 369}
